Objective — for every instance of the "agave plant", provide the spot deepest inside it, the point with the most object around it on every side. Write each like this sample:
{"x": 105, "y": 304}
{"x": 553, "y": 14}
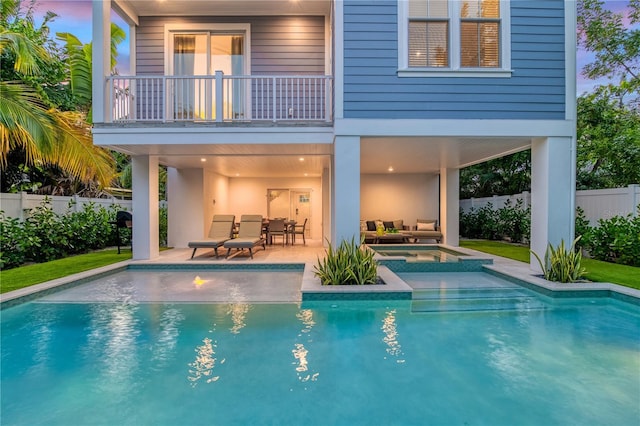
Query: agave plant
{"x": 562, "y": 265}
{"x": 349, "y": 264}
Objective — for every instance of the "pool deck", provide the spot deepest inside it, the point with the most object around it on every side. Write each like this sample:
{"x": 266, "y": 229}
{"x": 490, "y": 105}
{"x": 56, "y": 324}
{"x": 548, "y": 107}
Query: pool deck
{"x": 311, "y": 289}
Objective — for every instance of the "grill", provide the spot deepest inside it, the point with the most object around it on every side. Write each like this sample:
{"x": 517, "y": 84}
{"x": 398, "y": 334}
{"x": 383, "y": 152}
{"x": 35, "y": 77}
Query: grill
{"x": 124, "y": 219}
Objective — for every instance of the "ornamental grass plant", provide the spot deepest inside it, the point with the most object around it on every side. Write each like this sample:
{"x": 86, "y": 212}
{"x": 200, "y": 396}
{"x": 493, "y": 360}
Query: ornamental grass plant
{"x": 562, "y": 265}
{"x": 349, "y": 264}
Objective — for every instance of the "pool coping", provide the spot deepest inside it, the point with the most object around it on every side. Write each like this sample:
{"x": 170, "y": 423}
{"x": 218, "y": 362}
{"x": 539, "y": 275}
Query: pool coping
{"x": 535, "y": 282}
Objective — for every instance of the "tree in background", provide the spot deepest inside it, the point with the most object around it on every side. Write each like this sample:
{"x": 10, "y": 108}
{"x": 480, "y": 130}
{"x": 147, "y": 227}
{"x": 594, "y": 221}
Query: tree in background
{"x": 608, "y": 127}
{"x": 502, "y": 176}
{"x": 616, "y": 46}
{"x": 35, "y": 129}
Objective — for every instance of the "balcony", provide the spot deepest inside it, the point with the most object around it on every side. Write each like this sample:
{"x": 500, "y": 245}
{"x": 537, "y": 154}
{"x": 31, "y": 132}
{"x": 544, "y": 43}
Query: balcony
{"x": 220, "y": 98}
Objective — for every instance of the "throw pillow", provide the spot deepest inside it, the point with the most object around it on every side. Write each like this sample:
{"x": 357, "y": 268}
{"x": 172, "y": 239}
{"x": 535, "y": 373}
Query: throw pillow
{"x": 398, "y": 224}
{"x": 371, "y": 225}
{"x": 388, "y": 225}
{"x": 429, "y": 226}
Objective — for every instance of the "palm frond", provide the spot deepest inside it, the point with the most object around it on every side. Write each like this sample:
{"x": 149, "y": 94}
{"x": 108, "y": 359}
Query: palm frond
{"x": 24, "y": 122}
{"x": 27, "y": 53}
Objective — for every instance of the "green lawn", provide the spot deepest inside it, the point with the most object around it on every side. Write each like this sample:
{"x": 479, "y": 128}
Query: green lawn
{"x": 24, "y": 276}
{"x": 597, "y": 270}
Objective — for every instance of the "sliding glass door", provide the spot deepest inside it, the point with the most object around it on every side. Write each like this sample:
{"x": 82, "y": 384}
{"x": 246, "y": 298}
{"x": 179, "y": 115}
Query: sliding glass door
{"x": 196, "y": 58}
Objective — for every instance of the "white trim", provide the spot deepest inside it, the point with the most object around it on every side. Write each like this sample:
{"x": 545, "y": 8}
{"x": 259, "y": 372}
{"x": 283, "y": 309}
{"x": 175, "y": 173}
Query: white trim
{"x": 570, "y": 46}
{"x": 133, "y": 58}
{"x": 124, "y": 10}
{"x": 454, "y": 69}
{"x": 471, "y": 128}
{"x": 338, "y": 78}
{"x": 101, "y": 59}
{"x": 431, "y": 72}
{"x": 327, "y": 45}
{"x": 177, "y": 136}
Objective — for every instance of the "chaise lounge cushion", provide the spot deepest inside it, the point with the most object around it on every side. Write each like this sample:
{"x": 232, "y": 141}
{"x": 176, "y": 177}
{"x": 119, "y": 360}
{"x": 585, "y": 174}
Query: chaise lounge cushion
{"x": 219, "y": 232}
{"x": 249, "y": 236}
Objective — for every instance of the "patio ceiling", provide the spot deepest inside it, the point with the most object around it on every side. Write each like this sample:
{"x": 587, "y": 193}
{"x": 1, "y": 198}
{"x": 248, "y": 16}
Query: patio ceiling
{"x": 430, "y": 154}
{"x": 405, "y": 155}
{"x": 225, "y": 7}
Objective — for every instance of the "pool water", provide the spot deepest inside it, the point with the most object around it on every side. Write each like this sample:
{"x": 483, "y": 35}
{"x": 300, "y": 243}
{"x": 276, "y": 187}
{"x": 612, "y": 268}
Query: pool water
{"x": 346, "y": 363}
{"x": 419, "y": 254}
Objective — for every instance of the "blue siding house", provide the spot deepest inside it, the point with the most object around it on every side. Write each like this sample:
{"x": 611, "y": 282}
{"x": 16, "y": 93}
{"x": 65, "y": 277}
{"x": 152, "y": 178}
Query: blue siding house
{"x": 337, "y": 112}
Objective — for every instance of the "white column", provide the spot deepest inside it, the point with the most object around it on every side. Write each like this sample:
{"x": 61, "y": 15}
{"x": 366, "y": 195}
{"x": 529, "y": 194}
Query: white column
{"x": 346, "y": 189}
{"x": 450, "y": 205}
{"x": 101, "y": 57}
{"x": 553, "y": 193}
{"x": 185, "y": 196}
{"x": 326, "y": 205}
{"x": 145, "y": 207}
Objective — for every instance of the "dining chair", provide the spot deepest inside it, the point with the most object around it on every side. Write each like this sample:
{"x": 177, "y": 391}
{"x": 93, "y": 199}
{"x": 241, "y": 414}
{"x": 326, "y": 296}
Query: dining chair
{"x": 277, "y": 228}
{"x": 299, "y": 230}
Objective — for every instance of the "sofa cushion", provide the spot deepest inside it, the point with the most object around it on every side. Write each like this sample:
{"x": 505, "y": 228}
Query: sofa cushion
{"x": 426, "y": 226}
{"x": 371, "y": 225}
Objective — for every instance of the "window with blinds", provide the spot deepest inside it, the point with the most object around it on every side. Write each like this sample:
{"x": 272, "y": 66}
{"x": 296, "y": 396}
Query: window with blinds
{"x": 480, "y": 34}
{"x": 430, "y": 32}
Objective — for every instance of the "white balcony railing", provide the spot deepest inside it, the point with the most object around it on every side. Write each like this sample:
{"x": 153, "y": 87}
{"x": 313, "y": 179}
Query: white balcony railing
{"x": 219, "y": 98}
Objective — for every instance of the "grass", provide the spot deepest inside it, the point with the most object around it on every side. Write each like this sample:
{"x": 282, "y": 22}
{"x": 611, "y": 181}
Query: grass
{"x": 25, "y": 276}
{"x": 597, "y": 270}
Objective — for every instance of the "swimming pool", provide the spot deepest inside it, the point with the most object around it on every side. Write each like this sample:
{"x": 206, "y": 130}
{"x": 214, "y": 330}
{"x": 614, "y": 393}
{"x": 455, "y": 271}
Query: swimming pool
{"x": 419, "y": 253}
{"x": 124, "y": 361}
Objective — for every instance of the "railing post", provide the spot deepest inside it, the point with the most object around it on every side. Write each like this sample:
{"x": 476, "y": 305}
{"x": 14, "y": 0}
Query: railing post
{"x": 327, "y": 99}
{"x": 273, "y": 92}
{"x": 219, "y": 96}
{"x": 165, "y": 102}
{"x": 109, "y": 100}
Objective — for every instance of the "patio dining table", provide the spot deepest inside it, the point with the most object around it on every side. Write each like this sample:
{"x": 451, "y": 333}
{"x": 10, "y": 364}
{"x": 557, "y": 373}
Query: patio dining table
{"x": 289, "y": 226}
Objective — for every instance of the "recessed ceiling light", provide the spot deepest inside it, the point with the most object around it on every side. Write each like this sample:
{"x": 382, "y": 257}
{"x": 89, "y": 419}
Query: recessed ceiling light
{"x": 306, "y": 174}
{"x": 301, "y": 159}
{"x": 203, "y": 159}
{"x": 237, "y": 174}
{"x": 390, "y": 168}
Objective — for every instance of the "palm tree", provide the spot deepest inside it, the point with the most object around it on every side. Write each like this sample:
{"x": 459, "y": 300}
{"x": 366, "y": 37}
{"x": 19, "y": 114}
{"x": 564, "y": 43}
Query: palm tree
{"x": 47, "y": 135}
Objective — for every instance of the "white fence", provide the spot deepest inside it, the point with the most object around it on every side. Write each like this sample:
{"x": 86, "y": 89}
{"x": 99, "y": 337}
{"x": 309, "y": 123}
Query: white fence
{"x": 596, "y": 203}
{"x": 18, "y": 205}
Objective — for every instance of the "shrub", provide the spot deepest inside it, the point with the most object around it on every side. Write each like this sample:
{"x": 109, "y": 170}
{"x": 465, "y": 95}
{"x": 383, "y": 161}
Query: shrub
{"x": 509, "y": 221}
{"x": 349, "y": 264}
{"x": 616, "y": 240}
{"x": 514, "y": 222}
{"x": 583, "y": 229}
{"x": 45, "y": 235}
{"x": 562, "y": 265}
{"x": 163, "y": 225}
{"x": 12, "y": 242}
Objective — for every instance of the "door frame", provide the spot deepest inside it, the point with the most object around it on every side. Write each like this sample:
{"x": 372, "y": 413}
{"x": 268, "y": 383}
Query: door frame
{"x": 208, "y": 29}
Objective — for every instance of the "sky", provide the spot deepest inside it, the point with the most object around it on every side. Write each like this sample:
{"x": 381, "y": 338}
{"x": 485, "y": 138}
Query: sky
{"x": 74, "y": 16}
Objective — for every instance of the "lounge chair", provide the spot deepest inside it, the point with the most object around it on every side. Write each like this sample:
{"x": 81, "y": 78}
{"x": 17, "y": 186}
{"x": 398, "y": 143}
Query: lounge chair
{"x": 219, "y": 232}
{"x": 249, "y": 236}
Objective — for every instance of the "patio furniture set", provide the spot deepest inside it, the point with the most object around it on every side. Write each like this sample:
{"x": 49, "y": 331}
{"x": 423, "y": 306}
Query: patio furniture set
{"x": 252, "y": 231}
{"x": 381, "y": 231}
